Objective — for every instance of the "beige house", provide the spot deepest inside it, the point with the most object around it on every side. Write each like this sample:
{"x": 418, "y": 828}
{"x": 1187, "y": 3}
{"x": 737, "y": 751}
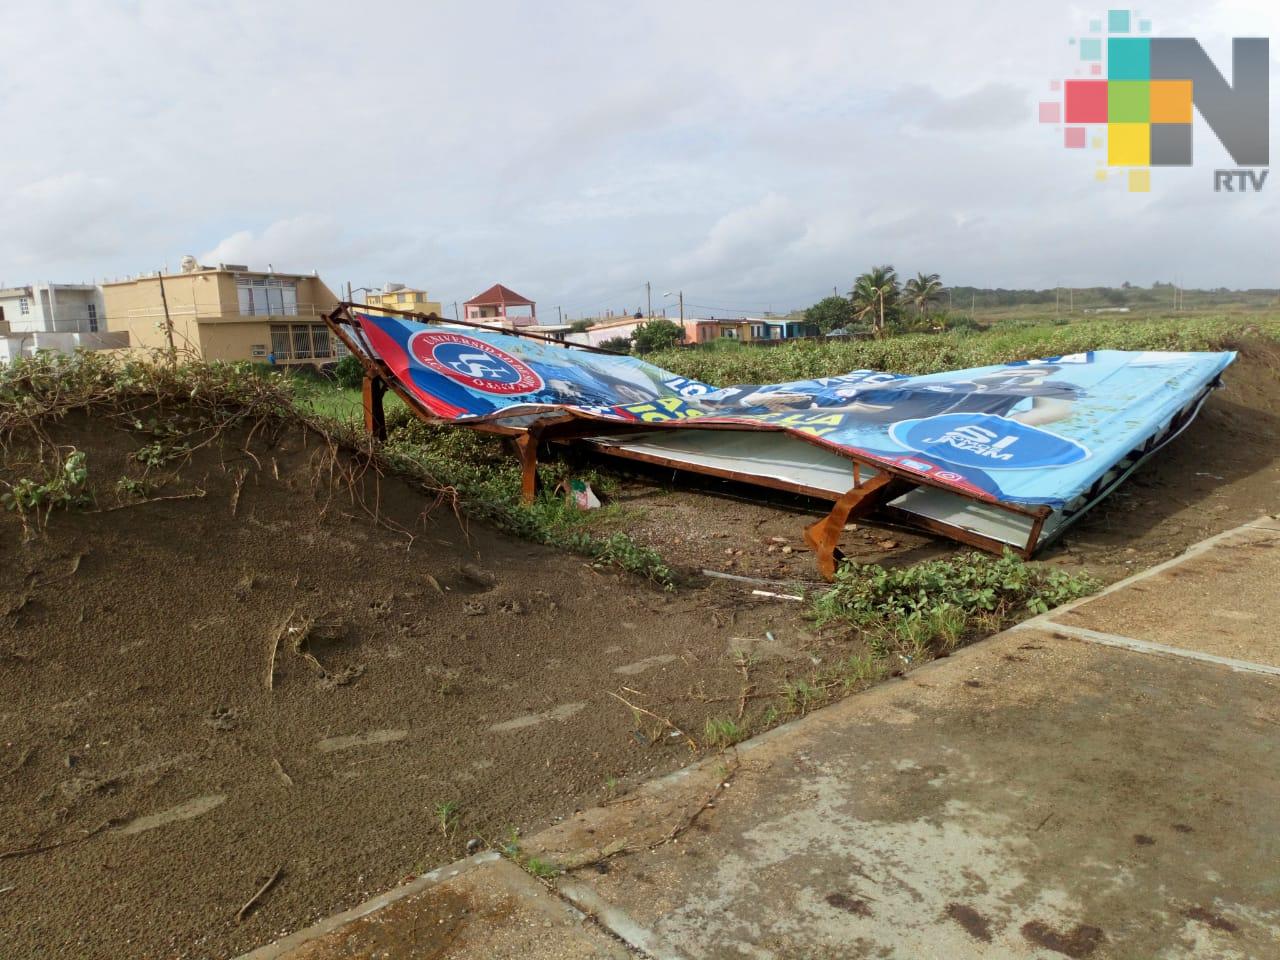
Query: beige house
{"x": 399, "y": 297}
{"x": 227, "y": 312}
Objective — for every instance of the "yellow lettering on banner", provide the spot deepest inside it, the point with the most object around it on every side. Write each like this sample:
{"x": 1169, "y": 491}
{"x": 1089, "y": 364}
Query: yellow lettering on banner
{"x": 672, "y": 408}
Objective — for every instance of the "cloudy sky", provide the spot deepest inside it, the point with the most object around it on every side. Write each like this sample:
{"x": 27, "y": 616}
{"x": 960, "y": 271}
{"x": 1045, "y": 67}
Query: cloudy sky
{"x": 754, "y": 155}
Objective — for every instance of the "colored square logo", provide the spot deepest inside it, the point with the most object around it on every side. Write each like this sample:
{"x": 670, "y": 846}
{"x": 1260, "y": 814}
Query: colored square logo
{"x": 1117, "y": 21}
{"x": 1073, "y": 138}
{"x": 1128, "y": 58}
{"x": 1090, "y": 48}
{"x": 1139, "y": 181}
{"x": 1128, "y": 101}
{"x": 1171, "y": 144}
{"x": 1050, "y": 111}
{"x": 1086, "y": 101}
{"x": 1129, "y": 144}
{"x": 1170, "y": 101}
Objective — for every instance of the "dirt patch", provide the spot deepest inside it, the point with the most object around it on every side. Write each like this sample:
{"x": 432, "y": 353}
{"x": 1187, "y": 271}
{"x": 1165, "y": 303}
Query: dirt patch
{"x": 196, "y": 692}
{"x": 1223, "y": 471}
{"x": 1078, "y": 942}
{"x": 854, "y": 905}
{"x": 1209, "y": 919}
{"x": 974, "y": 923}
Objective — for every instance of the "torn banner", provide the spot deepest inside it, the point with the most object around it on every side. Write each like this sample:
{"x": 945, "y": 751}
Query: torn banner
{"x": 1010, "y": 453}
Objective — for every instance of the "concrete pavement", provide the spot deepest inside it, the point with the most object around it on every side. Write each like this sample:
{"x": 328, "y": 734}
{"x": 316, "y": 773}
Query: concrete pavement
{"x": 1099, "y": 782}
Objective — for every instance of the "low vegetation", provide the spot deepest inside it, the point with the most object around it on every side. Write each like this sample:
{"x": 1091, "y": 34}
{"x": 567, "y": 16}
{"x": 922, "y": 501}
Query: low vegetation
{"x": 958, "y": 349}
{"x": 929, "y": 608}
{"x": 177, "y": 409}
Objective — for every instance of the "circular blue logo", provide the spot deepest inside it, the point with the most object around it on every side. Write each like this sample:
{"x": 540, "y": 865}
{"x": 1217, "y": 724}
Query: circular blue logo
{"x": 987, "y": 442}
{"x": 478, "y": 365}
{"x": 475, "y": 362}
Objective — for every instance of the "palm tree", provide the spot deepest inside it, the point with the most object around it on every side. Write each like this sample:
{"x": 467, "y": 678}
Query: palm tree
{"x": 922, "y": 290}
{"x": 875, "y": 294}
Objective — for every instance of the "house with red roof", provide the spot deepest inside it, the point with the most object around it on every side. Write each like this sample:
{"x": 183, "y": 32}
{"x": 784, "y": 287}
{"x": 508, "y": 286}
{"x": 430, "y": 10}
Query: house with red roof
{"x": 502, "y": 307}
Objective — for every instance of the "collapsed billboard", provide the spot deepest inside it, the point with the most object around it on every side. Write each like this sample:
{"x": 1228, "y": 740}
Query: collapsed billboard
{"x": 1007, "y": 454}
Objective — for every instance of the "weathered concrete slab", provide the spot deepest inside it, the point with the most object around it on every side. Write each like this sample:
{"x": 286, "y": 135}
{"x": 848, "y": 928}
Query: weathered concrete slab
{"x": 478, "y": 909}
{"x": 1030, "y": 797}
{"x": 1223, "y": 601}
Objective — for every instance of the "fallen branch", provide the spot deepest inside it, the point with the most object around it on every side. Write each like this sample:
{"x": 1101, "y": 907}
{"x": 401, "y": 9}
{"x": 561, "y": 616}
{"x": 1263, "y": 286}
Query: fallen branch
{"x": 744, "y": 666}
{"x": 43, "y": 848}
{"x": 198, "y": 494}
{"x": 249, "y": 904}
{"x": 275, "y": 649}
{"x": 662, "y": 720}
{"x": 721, "y": 785}
{"x": 235, "y": 494}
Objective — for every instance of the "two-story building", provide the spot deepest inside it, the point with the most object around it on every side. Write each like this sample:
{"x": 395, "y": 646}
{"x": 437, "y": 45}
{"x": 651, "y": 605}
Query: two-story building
{"x": 54, "y": 316}
{"x": 227, "y": 312}
{"x": 397, "y": 296}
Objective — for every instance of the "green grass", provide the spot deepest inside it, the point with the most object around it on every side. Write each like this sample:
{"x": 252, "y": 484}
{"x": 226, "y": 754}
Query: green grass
{"x": 721, "y": 732}
{"x": 326, "y": 399}
{"x": 931, "y": 607}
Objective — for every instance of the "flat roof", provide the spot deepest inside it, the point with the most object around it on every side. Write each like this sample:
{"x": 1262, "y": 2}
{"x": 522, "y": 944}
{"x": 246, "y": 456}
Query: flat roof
{"x": 205, "y": 271}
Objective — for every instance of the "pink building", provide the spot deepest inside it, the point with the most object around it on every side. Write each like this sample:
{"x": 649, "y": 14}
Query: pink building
{"x": 502, "y": 307}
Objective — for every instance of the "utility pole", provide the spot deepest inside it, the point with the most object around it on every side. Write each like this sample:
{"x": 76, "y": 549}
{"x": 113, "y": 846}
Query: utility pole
{"x": 168, "y": 323}
{"x": 455, "y": 309}
{"x": 973, "y": 305}
{"x": 648, "y": 299}
{"x": 349, "y": 295}
{"x": 560, "y": 314}
{"x": 681, "y": 295}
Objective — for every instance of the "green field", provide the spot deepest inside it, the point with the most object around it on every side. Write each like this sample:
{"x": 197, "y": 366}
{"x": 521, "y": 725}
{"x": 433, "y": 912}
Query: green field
{"x": 1016, "y": 338}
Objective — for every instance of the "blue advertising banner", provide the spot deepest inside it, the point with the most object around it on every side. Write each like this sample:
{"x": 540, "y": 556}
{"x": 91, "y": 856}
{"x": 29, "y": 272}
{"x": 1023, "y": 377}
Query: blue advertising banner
{"x": 1031, "y": 432}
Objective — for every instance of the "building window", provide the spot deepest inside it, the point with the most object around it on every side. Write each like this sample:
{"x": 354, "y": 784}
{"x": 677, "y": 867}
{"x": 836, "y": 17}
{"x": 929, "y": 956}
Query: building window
{"x": 24, "y": 308}
{"x": 93, "y": 318}
{"x": 309, "y": 341}
{"x": 402, "y": 298}
{"x": 301, "y": 343}
{"x": 258, "y": 350}
{"x": 267, "y": 297}
{"x": 280, "y": 342}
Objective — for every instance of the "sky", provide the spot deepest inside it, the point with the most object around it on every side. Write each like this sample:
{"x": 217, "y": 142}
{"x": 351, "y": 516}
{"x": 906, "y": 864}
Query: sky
{"x": 756, "y": 156}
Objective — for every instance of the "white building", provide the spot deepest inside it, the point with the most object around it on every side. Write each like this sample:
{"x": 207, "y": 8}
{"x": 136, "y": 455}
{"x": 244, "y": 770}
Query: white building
{"x": 54, "y": 316}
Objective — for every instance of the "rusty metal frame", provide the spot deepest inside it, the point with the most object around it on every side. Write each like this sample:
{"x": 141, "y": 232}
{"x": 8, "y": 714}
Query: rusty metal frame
{"x": 863, "y": 497}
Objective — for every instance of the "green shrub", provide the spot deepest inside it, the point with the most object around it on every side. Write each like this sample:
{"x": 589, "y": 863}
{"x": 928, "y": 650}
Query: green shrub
{"x": 348, "y": 373}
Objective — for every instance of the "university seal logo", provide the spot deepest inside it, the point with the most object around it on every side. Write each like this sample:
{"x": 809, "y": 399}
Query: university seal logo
{"x": 473, "y": 363}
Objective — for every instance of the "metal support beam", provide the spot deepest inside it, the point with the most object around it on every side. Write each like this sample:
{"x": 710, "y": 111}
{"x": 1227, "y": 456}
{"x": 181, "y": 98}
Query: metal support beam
{"x": 823, "y": 536}
{"x": 375, "y": 418}
{"x": 527, "y": 450}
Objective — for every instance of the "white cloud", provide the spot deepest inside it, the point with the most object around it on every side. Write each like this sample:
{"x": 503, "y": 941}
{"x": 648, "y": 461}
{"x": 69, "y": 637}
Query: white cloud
{"x": 743, "y": 239}
{"x": 740, "y": 148}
